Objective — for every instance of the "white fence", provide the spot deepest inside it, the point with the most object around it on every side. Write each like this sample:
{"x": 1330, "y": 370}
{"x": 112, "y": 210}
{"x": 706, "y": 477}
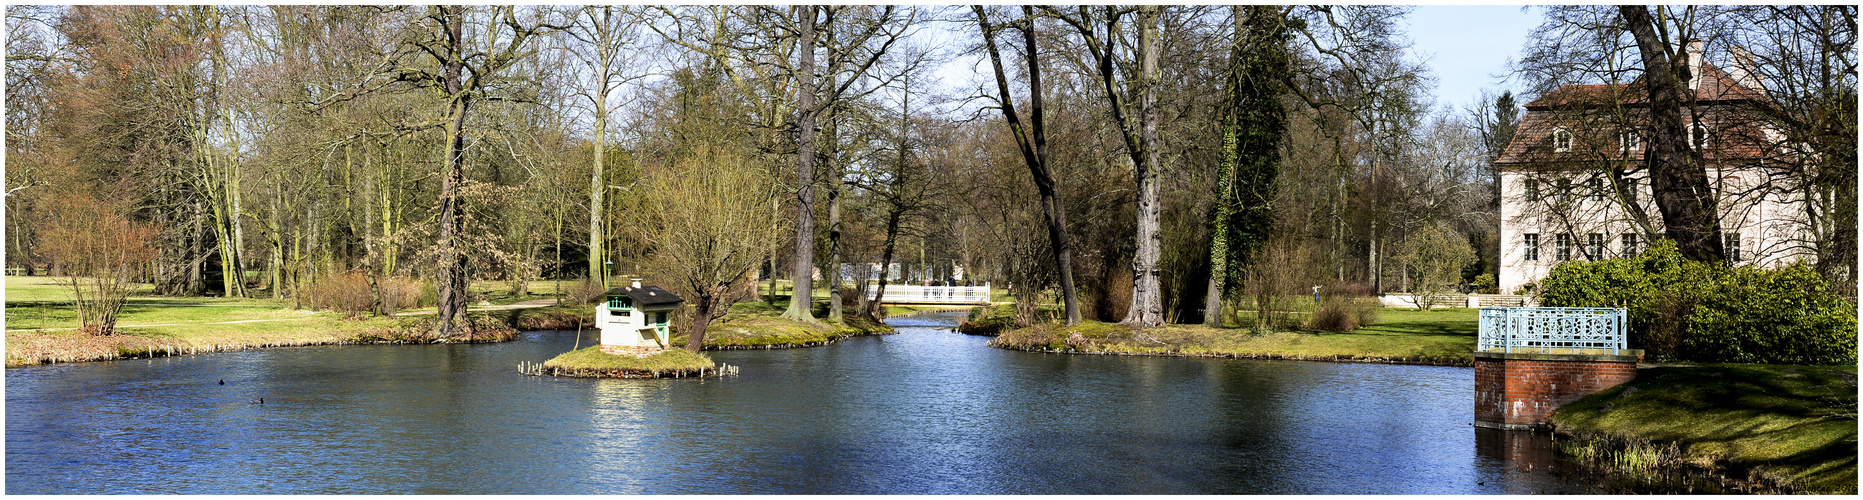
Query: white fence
{"x": 1552, "y": 329}
{"x": 916, "y": 294}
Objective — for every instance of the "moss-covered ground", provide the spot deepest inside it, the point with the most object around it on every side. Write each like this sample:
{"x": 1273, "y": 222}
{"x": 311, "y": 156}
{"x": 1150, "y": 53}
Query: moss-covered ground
{"x": 592, "y": 362}
{"x": 1789, "y": 429}
{"x": 1436, "y": 337}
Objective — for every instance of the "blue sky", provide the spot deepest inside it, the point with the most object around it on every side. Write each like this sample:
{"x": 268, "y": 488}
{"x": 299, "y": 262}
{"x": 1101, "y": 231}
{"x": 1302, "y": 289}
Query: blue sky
{"x": 1467, "y": 46}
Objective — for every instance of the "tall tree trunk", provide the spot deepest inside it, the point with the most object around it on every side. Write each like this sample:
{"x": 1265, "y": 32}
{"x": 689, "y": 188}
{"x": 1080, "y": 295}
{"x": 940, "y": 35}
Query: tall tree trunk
{"x": 886, "y": 260}
{"x": 834, "y": 210}
{"x": 800, "y": 300}
{"x": 452, "y": 277}
{"x": 1225, "y": 164}
{"x": 1219, "y": 224}
{"x": 1678, "y": 178}
{"x": 1147, "y": 308}
{"x": 1035, "y": 151}
{"x": 597, "y": 238}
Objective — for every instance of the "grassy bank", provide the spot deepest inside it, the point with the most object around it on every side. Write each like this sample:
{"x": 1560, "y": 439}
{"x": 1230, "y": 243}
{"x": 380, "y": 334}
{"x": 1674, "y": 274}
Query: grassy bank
{"x": 1438, "y": 337}
{"x": 592, "y": 362}
{"x": 41, "y": 326}
{"x": 759, "y": 325}
{"x": 1775, "y": 428}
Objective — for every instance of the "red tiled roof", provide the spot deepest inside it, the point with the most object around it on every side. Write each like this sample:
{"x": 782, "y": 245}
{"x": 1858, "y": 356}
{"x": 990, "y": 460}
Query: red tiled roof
{"x": 1587, "y": 112}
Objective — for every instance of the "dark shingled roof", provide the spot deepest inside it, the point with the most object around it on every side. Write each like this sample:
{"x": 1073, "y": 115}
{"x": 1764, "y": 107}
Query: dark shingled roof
{"x": 646, "y": 295}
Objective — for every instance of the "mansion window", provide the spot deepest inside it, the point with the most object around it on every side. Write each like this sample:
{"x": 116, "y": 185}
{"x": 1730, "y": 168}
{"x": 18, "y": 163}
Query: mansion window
{"x": 1533, "y": 190}
{"x": 1562, "y": 247}
{"x": 1564, "y": 193}
{"x": 1562, "y": 140}
{"x": 1532, "y": 244}
{"x": 1629, "y": 246}
{"x": 1595, "y": 189}
{"x": 1594, "y": 246}
{"x": 1632, "y": 142}
{"x": 1733, "y": 247}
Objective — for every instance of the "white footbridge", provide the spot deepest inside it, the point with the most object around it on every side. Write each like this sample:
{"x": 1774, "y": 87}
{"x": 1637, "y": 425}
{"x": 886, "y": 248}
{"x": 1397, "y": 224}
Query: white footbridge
{"x": 936, "y": 294}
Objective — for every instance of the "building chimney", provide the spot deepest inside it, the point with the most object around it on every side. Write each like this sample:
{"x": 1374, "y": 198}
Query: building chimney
{"x": 634, "y": 282}
{"x": 1694, "y": 50}
{"x": 1745, "y": 73}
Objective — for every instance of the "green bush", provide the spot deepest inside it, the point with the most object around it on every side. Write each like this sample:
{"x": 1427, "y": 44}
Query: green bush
{"x": 1707, "y": 312}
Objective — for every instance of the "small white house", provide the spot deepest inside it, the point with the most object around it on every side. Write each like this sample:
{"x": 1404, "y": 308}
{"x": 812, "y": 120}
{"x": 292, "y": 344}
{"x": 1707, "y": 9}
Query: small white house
{"x": 634, "y": 319}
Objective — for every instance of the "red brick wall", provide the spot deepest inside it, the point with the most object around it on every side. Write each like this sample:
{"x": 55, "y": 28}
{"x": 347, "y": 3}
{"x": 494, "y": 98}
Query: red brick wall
{"x": 1524, "y": 392}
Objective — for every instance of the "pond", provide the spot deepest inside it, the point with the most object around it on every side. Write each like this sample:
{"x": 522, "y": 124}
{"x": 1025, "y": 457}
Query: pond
{"x": 925, "y": 411}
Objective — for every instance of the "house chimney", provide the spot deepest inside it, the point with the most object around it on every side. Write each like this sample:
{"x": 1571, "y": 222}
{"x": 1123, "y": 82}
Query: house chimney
{"x": 1744, "y": 71}
{"x": 634, "y": 282}
{"x": 1694, "y": 63}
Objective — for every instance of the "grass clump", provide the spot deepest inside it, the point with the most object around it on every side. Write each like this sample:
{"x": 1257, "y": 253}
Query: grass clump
{"x": 1441, "y": 337}
{"x": 592, "y": 362}
{"x": 1777, "y": 428}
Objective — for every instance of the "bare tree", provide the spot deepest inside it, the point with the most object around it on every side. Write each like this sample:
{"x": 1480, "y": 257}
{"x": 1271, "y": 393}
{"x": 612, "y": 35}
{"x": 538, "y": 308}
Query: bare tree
{"x": 1690, "y": 210}
{"x": 1033, "y": 143}
{"x": 710, "y": 218}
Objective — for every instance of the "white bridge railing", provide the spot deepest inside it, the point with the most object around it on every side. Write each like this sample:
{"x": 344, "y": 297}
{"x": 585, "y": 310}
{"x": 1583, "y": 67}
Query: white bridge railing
{"x": 917, "y": 294}
{"x": 1552, "y": 329}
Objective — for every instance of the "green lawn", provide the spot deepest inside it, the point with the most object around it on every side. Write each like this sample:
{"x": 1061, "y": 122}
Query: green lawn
{"x": 41, "y": 322}
{"x": 590, "y": 360}
{"x": 1794, "y": 427}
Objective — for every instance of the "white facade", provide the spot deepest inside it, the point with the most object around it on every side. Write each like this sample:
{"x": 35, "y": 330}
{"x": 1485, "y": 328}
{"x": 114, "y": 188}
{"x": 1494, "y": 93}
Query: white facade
{"x": 1765, "y": 230}
{"x": 628, "y": 323}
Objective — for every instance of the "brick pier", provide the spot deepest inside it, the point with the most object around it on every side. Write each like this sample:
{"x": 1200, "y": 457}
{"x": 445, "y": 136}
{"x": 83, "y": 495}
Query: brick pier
{"x": 1521, "y": 390}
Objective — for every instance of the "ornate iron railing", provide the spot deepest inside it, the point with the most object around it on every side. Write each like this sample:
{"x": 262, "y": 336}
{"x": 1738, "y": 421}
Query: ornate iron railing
{"x": 1552, "y": 329}
{"x": 916, "y": 294}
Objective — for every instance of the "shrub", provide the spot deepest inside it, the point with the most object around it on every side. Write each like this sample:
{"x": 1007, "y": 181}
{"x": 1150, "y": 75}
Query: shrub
{"x": 1341, "y": 314}
{"x": 1708, "y": 312}
{"x": 1485, "y": 283}
{"x": 349, "y": 293}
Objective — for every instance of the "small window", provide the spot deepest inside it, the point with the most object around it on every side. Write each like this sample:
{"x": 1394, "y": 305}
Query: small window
{"x": 1533, "y": 190}
{"x": 1564, "y": 193}
{"x": 1632, "y": 142}
{"x": 1594, "y": 246}
{"x": 1562, "y": 247}
{"x": 1594, "y": 188}
{"x": 659, "y": 319}
{"x": 1532, "y": 244}
{"x": 1562, "y": 140}
{"x": 1733, "y": 247}
{"x": 1630, "y": 248}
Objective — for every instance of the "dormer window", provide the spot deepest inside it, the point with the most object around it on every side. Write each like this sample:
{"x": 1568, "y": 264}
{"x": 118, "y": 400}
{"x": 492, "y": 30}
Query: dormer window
{"x": 1631, "y": 142}
{"x": 1562, "y": 140}
{"x": 1698, "y": 136}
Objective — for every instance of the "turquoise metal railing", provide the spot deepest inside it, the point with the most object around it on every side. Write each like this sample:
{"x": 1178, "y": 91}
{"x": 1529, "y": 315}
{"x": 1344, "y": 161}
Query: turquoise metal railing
{"x": 1544, "y": 329}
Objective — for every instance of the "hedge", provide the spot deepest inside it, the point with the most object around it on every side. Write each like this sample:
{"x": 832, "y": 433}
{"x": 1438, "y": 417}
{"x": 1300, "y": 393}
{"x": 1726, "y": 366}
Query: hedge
{"x": 1682, "y": 310}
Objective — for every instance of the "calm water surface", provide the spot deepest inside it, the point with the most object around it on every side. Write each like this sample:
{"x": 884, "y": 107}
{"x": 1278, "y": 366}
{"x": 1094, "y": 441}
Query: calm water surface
{"x": 924, "y": 411}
